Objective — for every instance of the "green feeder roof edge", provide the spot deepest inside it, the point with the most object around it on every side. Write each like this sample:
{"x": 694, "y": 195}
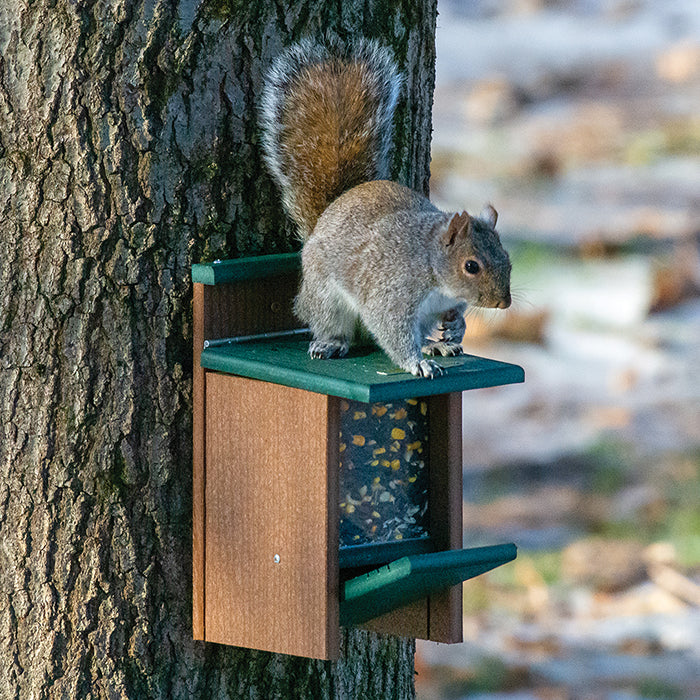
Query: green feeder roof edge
{"x": 238, "y": 269}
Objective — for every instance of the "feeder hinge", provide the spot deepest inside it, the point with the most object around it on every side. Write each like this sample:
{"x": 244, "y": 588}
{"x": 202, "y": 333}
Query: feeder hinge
{"x": 260, "y": 336}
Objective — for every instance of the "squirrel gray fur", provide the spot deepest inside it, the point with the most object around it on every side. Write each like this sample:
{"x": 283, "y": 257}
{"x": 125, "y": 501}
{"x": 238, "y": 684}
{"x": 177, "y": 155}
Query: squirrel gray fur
{"x": 373, "y": 249}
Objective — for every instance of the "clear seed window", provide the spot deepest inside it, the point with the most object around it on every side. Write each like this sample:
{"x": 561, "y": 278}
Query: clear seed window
{"x": 383, "y": 471}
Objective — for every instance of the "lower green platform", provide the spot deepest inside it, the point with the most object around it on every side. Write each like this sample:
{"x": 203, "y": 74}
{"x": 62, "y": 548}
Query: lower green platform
{"x": 414, "y": 577}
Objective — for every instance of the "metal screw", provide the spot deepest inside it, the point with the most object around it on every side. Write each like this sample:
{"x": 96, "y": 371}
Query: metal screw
{"x": 276, "y": 558}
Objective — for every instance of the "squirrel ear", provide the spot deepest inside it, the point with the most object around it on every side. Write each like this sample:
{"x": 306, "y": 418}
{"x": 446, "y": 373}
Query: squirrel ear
{"x": 489, "y": 215}
{"x": 459, "y": 223}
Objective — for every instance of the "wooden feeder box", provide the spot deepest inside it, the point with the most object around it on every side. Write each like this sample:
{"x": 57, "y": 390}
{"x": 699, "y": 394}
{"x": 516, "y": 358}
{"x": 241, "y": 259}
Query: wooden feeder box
{"x": 326, "y": 492}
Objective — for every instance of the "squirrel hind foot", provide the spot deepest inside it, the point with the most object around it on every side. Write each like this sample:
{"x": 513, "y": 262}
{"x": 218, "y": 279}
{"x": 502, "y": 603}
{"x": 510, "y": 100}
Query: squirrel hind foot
{"x": 426, "y": 368}
{"x": 327, "y": 349}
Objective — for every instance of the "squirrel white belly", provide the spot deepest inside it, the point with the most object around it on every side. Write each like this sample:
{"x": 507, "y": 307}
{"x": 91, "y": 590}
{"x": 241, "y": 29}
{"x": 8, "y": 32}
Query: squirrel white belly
{"x": 373, "y": 249}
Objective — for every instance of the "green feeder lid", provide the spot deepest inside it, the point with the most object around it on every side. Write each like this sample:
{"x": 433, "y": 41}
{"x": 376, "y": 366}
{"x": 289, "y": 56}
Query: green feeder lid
{"x": 365, "y": 374}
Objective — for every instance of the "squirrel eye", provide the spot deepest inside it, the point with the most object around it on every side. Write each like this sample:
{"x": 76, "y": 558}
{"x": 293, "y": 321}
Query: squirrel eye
{"x": 471, "y": 267}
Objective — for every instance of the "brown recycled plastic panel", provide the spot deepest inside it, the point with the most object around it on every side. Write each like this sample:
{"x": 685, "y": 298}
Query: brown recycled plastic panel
{"x": 271, "y": 554}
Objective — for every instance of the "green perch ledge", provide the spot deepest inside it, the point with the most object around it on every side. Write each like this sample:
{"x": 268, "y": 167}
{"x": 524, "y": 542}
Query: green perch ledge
{"x": 414, "y": 577}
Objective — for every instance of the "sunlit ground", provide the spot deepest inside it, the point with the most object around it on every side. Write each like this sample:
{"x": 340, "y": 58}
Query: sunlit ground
{"x": 579, "y": 120}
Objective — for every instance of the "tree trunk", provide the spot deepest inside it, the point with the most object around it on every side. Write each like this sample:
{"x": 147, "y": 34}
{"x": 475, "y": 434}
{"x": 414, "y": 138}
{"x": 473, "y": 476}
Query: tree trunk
{"x": 128, "y": 150}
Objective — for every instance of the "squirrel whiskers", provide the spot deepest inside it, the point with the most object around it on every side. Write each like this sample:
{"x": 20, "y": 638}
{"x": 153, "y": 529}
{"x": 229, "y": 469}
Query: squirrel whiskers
{"x": 374, "y": 250}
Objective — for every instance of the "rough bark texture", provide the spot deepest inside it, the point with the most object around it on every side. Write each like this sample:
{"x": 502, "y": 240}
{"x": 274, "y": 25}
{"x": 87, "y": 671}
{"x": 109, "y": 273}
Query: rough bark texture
{"x": 128, "y": 150}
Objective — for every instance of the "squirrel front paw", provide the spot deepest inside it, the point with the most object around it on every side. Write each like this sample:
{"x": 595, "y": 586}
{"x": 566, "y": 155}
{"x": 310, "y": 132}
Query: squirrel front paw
{"x": 444, "y": 348}
{"x": 452, "y": 327}
{"x": 425, "y": 368}
{"x": 326, "y": 349}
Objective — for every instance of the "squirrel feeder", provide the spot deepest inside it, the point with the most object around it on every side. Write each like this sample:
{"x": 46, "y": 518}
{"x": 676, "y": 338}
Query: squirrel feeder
{"x": 326, "y": 492}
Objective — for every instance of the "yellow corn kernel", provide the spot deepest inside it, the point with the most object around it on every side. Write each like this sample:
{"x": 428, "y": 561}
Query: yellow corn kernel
{"x": 413, "y": 402}
{"x": 398, "y": 434}
{"x": 358, "y": 440}
{"x": 359, "y": 415}
{"x": 396, "y": 464}
{"x": 379, "y": 410}
{"x": 379, "y": 451}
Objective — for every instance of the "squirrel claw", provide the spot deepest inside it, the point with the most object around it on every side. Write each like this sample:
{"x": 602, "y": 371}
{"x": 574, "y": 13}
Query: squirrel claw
{"x": 444, "y": 348}
{"x": 326, "y": 349}
{"x": 427, "y": 369}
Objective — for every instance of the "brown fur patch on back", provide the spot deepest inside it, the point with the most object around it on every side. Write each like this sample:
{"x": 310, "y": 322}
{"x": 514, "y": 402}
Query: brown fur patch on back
{"x": 327, "y": 125}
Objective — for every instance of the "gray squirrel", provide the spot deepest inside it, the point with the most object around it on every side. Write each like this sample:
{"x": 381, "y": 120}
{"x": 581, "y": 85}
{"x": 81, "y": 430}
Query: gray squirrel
{"x": 373, "y": 249}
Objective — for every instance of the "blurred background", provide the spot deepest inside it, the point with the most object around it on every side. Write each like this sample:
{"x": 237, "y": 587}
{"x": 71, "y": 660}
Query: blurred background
{"x": 580, "y": 121}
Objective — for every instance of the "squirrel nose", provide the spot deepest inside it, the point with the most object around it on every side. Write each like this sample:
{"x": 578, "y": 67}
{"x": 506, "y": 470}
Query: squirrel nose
{"x": 504, "y": 303}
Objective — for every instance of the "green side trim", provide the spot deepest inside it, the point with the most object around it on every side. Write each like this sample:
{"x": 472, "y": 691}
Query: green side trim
{"x": 366, "y": 374}
{"x": 414, "y": 577}
{"x": 226, "y": 271}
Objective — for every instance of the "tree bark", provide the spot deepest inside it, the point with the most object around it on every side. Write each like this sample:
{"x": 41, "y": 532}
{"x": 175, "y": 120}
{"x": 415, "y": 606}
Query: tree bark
{"x": 129, "y": 150}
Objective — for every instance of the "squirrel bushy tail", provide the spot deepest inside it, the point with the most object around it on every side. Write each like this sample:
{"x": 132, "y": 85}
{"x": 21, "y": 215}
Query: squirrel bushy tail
{"x": 326, "y": 122}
